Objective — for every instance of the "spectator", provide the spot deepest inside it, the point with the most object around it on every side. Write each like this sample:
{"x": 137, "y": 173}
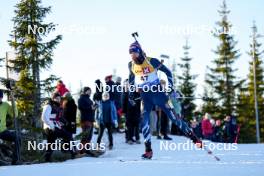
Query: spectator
{"x": 61, "y": 88}
{"x": 69, "y": 112}
{"x": 86, "y": 107}
{"x": 234, "y": 128}
{"x": 5, "y": 134}
{"x": 196, "y": 126}
{"x": 207, "y": 128}
{"x": 132, "y": 113}
{"x": 107, "y": 118}
{"x": 217, "y": 136}
{"x": 53, "y": 127}
{"x": 230, "y": 129}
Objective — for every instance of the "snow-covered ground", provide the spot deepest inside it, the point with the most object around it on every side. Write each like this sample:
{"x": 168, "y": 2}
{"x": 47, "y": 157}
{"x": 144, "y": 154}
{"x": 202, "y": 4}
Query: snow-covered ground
{"x": 247, "y": 160}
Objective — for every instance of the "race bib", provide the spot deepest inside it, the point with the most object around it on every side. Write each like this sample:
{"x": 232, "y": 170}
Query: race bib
{"x": 145, "y": 73}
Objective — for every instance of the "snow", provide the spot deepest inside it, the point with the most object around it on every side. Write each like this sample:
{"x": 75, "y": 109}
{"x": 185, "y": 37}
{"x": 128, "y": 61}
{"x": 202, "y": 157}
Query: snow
{"x": 247, "y": 160}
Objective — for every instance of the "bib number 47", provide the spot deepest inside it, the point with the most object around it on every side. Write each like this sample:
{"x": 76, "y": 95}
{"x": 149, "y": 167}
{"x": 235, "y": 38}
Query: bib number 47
{"x": 144, "y": 78}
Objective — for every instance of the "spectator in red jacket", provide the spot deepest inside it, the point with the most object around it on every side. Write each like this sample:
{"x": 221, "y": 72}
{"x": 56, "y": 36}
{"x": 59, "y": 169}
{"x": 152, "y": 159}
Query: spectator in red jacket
{"x": 61, "y": 88}
{"x": 207, "y": 128}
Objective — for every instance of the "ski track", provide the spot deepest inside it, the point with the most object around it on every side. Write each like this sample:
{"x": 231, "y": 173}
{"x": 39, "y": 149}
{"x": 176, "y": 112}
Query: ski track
{"x": 124, "y": 159}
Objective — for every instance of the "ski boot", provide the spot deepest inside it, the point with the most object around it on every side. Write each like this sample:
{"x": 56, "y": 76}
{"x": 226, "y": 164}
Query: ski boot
{"x": 147, "y": 155}
{"x": 148, "y": 152}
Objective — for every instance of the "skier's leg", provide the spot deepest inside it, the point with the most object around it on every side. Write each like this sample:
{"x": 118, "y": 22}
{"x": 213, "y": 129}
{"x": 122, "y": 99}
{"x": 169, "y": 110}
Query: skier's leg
{"x": 145, "y": 124}
{"x": 162, "y": 101}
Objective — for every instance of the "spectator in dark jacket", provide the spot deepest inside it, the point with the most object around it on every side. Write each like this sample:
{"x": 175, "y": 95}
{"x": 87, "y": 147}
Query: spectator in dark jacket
{"x": 86, "y": 107}
{"x": 69, "y": 112}
{"x": 196, "y": 126}
{"x": 132, "y": 114}
{"x": 218, "y": 132}
{"x": 234, "y": 128}
{"x": 230, "y": 129}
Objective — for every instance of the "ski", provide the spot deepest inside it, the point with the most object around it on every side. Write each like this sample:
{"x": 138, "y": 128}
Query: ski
{"x": 136, "y": 160}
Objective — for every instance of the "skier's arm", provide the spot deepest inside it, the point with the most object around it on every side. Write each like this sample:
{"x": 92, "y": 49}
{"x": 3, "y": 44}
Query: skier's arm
{"x": 158, "y": 65}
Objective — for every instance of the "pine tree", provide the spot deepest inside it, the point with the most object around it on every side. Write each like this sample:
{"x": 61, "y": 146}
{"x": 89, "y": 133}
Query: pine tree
{"x": 187, "y": 85}
{"x": 210, "y": 104}
{"x": 221, "y": 77}
{"x": 33, "y": 52}
{"x": 247, "y": 115}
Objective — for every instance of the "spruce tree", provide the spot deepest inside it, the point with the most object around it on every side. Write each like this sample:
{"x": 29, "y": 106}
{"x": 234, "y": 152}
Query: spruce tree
{"x": 33, "y": 52}
{"x": 186, "y": 81}
{"x": 210, "y": 104}
{"x": 247, "y": 115}
{"x": 221, "y": 77}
